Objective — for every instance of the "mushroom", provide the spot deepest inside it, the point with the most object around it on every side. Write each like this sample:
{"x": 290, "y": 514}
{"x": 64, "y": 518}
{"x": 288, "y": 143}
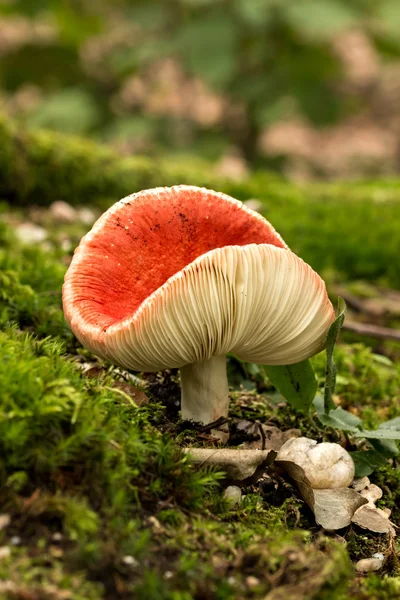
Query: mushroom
{"x": 178, "y": 277}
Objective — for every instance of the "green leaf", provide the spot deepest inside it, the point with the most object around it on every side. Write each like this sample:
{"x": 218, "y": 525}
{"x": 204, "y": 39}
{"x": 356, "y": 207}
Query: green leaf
{"x": 392, "y": 424}
{"x": 387, "y": 448}
{"x": 297, "y": 383}
{"x": 337, "y": 418}
{"x": 367, "y": 462}
{"x": 390, "y": 430}
{"x": 378, "y": 434}
{"x": 333, "y": 334}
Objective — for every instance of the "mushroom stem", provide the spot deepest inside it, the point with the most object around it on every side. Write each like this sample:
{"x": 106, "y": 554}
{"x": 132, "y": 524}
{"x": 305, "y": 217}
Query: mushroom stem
{"x": 205, "y": 395}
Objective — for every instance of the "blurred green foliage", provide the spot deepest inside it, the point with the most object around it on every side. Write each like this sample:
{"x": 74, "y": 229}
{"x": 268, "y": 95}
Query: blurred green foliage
{"x": 174, "y": 75}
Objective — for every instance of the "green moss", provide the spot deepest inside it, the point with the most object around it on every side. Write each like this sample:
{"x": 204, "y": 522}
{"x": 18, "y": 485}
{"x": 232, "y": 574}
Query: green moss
{"x": 376, "y": 587}
{"x": 367, "y": 383}
{"x": 325, "y": 224}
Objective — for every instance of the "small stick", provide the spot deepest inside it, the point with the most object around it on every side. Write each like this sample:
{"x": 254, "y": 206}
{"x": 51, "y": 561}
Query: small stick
{"x": 384, "y": 333}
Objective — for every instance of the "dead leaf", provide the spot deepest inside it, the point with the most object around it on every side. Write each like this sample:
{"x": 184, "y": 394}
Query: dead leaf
{"x": 238, "y": 464}
{"x": 333, "y": 508}
{"x": 374, "y": 519}
{"x": 369, "y": 516}
{"x": 138, "y": 396}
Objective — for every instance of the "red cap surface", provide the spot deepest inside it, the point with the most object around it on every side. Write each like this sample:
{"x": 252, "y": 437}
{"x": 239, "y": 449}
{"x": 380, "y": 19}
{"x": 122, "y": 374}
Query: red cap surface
{"x": 144, "y": 239}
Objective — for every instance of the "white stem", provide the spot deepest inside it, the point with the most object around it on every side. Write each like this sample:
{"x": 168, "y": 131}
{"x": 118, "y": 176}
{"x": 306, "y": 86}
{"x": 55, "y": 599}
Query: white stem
{"x": 205, "y": 394}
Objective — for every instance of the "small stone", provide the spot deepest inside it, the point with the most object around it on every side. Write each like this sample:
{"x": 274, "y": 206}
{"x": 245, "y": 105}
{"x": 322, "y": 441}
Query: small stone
{"x": 326, "y": 465}
{"x": 252, "y": 581}
{"x": 4, "y": 552}
{"x": 86, "y": 216}
{"x": 360, "y": 484}
{"x": 57, "y": 537}
{"x": 4, "y": 521}
{"x": 15, "y": 540}
{"x": 233, "y": 494}
{"x": 130, "y": 561}
{"x": 365, "y": 565}
{"x": 66, "y": 245}
{"x": 29, "y": 233}
{"x": 372, "y": 493}
{"x": 63, "y": 212}
{"x": 168, "y": 575}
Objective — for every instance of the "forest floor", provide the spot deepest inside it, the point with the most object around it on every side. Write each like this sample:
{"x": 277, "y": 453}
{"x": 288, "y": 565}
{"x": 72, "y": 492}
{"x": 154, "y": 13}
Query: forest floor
{"x": 97, "y": 499}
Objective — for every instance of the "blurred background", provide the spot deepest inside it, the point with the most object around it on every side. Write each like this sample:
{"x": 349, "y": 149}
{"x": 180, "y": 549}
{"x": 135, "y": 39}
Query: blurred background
{"x": 310, "y": 88}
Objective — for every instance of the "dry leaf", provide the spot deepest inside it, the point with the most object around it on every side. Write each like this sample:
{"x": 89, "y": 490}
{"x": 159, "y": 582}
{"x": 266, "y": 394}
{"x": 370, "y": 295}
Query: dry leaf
{"x": 369, "y": 516}
{"x": 138, "y": 396}
{"x": 374, "y": 519}
{"x": 333, "y": 508}
{"x": 238, "y": 464}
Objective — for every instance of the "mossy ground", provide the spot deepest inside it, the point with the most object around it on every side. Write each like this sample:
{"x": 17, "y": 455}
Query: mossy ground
{"x": 101, "y": 500}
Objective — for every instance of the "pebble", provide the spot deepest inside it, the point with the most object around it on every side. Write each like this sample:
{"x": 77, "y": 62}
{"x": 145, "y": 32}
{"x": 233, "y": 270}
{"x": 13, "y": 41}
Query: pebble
{"x": 326, "y": 465}
{"x": 233, "y": 493}
{"x": 252, "y": 581}
{"x": 130, "y": 561}
{"x": 15, "y": 540}
{"x": 63, "y": 212}
{"x": 86, "y": 216}
{"x": 365, "y": 565}
{"x": 29, "y": 233}
{"x": 372, "y": 493}
{"x": 360, "y": 484}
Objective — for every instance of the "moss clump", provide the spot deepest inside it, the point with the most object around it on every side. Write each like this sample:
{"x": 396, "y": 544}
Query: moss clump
{"x": 325, "y": 224}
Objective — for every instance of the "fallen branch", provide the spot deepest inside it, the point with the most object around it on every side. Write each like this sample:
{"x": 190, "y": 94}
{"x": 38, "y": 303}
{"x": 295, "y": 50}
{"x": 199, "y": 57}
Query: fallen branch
{"x": 384, "y": 333}
{"x": 238, "y": 464}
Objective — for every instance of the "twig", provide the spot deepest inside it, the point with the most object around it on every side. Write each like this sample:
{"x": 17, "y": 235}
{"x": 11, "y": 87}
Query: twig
{"x": 384, "y": 333}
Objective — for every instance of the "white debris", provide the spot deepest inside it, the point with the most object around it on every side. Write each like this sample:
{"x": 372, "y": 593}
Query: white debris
{"x": 29, "y": 233}
{"x": 326, "y": 465}
{"x": 366, "y": 565}
{"x": 369, "y": 516}
{"x": 130, "y": 561}
{"x": 372, "y": 493}
{"x": 15, "y": 540}
{"x": 63, "y": 212}
{"x": 233, "y": 494}
{"x": 360, "y": 484}
{"x": 86, "y": 216}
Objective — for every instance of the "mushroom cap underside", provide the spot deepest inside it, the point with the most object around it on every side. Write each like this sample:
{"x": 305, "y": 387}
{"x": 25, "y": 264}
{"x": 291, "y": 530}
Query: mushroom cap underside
{"x": 261, "y": 302}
